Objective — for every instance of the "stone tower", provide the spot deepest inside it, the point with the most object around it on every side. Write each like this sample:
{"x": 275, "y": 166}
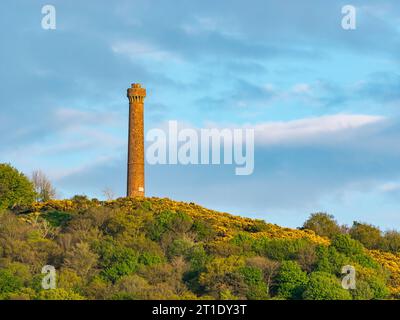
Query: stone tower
{"x": 136, "y": 95}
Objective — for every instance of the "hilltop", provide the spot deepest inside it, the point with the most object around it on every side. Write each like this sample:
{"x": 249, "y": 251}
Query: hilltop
{"x": 154, "y": 248}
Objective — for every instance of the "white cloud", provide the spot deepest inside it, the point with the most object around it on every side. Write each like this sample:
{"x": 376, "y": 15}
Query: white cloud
{"x": 73, "y": 117}
{"x": 202, "y": 24}
{"x": 219, "y": 25}
{"x": 308, "y": 129}
{"x": 269, "y": 87}
{"x": 389, "y": 187}
{"x": 316, "y": 130}
{"x": 302, "y": 88}
{"x": 143, "y": 50}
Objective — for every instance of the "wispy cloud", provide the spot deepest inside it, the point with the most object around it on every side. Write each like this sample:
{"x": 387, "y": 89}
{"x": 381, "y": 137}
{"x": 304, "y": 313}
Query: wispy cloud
{"x": 143, "y": 50}
{"x": 389, "y": 187}
{"x": 313, "y": 129}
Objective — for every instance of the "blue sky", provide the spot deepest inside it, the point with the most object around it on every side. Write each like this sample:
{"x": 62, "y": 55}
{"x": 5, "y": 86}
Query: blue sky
{"x": 325, "y": 102}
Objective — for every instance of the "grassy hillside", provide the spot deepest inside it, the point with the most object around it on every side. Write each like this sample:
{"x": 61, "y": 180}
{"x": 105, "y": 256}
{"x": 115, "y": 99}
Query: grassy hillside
{"x": 161, "y": 249}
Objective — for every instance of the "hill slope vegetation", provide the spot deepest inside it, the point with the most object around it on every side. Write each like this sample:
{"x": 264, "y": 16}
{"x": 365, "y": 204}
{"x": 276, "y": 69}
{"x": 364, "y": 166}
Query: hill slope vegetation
{"x": 162, "y": 249}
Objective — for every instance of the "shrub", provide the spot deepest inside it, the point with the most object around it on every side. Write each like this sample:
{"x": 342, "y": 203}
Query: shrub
{"x": 68, "y": 279}
{"x": 307, "y": 257}
{"x": 253, "y": 277}
{"x": 203, "y": 230}
{"x": 81, "y": 259}
{"x": 279, "y": 249}
{"x": 180, "y": 247}
{"x": 330, "y": 260}
{"x": 227, "y": 295}
{"x": 221, "y": 274}
{"x": 59, "y": 294}
{"x": 57, "y": 218}
{"x": 177, "y": 222}
{"x": 256, "y": 226}
{"x": 378, "y": 288}
{"x": 363, "y": 291}
{"x": 197, "y": 258}
{"x": 365, "y": 261}
{"x": 324, "y": 286}
{"x": 291, "y": 280}
{"x": 345, "y": 244}
{"x": 117, "y": 261}
{"x": 9, "y": 282}
{"x": 132, "y": 287}
{"x": 149, "y": 258}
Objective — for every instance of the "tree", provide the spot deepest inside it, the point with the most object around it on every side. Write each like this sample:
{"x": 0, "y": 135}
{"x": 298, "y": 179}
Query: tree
{"x": 269, "y": 267}
{"x": 43, "y": 187}
{"x": 15, "y": 188}
{"x": 116, "y": 260}
{"x": 133, "y": 287}
{"x": 169, "y": 221}
{"x": 307, "y": 257}
{"x": 221, "y": 274}
{"x": 391, "y": 241}
{"x": 325, "y": 286}
{"x": 291, "y": 280}
{"x": 254, "y": 278}
{"x": 109, "y": 194}
{"x": 367, "y": 234}
{"x": 180, "y": 247}
{"x": 81, "y": 259}
{"x": 322, "y": 224}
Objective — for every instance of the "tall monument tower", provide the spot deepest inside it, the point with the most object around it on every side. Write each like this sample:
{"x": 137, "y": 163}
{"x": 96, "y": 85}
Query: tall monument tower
{"x": 136, "y": 95}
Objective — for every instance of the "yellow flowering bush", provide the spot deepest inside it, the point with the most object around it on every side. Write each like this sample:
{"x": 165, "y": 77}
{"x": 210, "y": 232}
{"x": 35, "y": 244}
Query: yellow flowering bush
{"x": 390, "y": 262}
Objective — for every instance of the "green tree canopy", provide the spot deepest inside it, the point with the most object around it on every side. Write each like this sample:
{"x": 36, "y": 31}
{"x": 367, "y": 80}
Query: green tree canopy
{"x": 367, "y": 234}
{"x": 345, "y": 244}
{"x": 322, "y": 224}
{"x": 291, "y": 280}
{"x": 325, "y": 286}
{"x": 15, "y": 188}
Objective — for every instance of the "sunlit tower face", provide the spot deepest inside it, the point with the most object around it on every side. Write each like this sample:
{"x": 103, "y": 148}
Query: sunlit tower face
{"x": 135, "y": 186}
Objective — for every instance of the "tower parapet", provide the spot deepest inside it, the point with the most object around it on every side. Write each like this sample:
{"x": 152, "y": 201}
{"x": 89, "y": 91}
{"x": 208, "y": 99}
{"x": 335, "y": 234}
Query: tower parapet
{"x": 136, "y": 93}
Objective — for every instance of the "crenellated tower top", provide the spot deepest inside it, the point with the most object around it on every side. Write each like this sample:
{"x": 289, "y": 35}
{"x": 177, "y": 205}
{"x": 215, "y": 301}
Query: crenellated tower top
{"x": 136, "y": 93}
